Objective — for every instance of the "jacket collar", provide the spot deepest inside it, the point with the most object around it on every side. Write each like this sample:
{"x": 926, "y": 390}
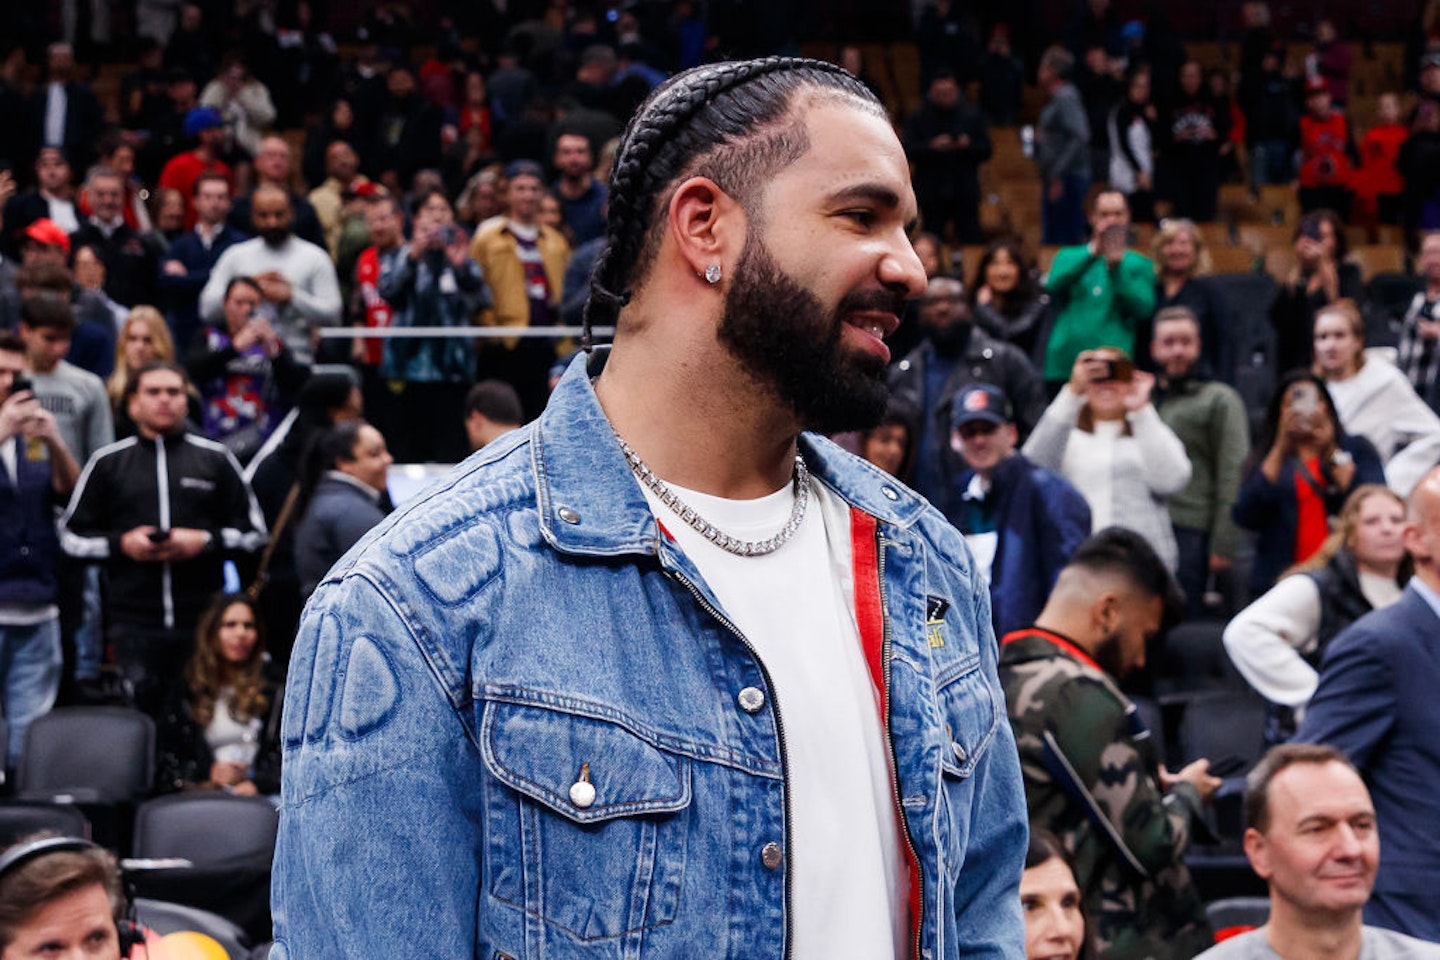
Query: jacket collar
{"x": 590, "y": 502}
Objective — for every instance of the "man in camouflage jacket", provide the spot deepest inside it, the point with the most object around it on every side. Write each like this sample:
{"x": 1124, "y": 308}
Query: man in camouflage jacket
{"x": 1090, "y": 769}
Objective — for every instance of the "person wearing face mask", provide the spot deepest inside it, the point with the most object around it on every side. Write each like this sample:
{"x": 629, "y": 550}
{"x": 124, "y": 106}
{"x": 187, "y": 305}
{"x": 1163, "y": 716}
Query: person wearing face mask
{"x": 953, "y": 354}
{"x": 1103, "y": 435}
{"x": 1091, "y": 774}
{"x": 1278, "y": 641}
{"x": 1054, "y": 916}
{"x": 1373, "y": 398}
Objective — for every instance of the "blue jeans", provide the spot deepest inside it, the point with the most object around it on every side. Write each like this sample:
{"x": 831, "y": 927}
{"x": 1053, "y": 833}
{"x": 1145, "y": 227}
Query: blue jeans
{"x": 1271, "y": 162}
{"x": 1194, "y": 571}
{"x": 30, "y": 671}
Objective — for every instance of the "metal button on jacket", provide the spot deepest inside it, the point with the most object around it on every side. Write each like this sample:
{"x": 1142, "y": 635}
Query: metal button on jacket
{"x": 751, "y": 699}
{"x": 568, "y": 515}
{"x": 771, "y": 854}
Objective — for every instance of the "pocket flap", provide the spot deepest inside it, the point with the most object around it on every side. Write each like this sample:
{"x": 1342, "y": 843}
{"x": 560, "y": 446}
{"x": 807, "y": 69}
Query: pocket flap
{"x": 543, "y": 752}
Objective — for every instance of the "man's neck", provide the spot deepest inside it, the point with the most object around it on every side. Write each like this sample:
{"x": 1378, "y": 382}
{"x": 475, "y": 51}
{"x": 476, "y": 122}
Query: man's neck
{"x": 693, "y": 414}
{"x": 149, "y": 433}
{"x": 63, "y": 194}
{"x": 1312, "y": 935}
{"x": 1428, "y": 573}
{"x": 572, "y": 187}
{"x": 1432, "y": 289}
{"x": 210, "y": 230}
{"x": 280, "y": 184}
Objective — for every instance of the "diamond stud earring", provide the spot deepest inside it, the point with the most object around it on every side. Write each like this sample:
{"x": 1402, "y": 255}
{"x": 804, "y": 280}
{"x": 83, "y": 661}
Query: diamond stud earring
{"x": 712, "y": 273}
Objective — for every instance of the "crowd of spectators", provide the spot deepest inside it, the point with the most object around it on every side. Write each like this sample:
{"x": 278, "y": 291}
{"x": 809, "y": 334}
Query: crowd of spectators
{"x": 172, "y": 258}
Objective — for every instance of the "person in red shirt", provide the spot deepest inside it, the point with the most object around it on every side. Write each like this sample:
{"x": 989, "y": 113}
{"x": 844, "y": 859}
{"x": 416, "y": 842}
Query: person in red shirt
{"x": 386, "y": 227}
{"x": 205, "y": 126}
{"x": 1326, "y": 151}
{"x": 1378, "y": 184}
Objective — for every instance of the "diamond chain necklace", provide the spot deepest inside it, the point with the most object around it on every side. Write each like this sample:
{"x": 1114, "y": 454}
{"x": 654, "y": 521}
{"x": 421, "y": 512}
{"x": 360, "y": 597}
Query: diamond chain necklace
{"x": 741, "y": 548}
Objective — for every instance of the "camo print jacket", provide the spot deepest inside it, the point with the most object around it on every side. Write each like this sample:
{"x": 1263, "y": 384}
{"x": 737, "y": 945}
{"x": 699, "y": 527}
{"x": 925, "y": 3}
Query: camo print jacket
{"x": 1090, "y": 777}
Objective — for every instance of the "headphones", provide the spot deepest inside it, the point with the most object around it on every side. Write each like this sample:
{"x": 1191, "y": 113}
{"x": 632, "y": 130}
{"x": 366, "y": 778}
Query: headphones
{"x": 128, "y": 932}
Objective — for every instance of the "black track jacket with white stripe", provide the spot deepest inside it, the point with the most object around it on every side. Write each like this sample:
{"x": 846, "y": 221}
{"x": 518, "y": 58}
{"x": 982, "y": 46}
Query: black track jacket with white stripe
{"x": 182, "y": 480}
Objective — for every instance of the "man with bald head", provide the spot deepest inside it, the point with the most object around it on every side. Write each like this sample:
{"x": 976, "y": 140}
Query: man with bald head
{"x": 1375, "y": 702}
{"x": 296, "y": 276}
{"x": 274, "y": 166}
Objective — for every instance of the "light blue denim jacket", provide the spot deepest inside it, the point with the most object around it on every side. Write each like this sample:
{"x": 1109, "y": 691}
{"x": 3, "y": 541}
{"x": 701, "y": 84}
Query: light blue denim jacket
{"x": 459, "y": 667}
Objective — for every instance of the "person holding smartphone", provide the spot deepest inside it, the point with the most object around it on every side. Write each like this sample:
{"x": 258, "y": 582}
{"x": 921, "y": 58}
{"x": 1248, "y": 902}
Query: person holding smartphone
{"x": 1103, "y": 290}
{"x": 1299, "y": 474}
{"x": 36, "y": 471}
{"x": 1103, "y": 434}
{"x": 1319, "y": 278}
{"x": 432, "y": 282}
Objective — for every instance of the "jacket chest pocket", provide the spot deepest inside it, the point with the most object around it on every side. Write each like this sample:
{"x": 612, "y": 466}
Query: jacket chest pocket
{"x": 970, "y": 711}
{"x": 586, "y": 824}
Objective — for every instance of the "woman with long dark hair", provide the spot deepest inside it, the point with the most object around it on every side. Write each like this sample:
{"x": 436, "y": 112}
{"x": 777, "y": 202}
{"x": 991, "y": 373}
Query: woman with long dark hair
{"x": 1005, "y": 299}
{"x": 1299, "y": 474}
{"x": 220, "y": 726}
{"x": 342, "y": 495}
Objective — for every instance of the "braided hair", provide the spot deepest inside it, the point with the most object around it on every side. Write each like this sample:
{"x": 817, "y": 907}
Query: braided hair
{"x": 717, "y": 120}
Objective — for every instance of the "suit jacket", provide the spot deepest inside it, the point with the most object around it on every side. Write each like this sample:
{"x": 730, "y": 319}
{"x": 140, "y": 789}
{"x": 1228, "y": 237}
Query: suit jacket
{"x": 1376, "y": 702}
{"x": 131, "y": 258}
{"x": 84, "y": 119}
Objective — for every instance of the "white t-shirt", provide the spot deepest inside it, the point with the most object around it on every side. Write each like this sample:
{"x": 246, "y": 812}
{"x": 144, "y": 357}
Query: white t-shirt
{"x": 849, "y": 881}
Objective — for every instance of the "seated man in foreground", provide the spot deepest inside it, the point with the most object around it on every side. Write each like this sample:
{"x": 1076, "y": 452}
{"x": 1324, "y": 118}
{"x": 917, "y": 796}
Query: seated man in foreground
{"x": 1311, "y": 836}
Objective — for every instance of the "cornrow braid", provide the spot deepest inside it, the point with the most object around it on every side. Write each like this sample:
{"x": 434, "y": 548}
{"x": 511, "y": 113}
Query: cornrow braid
{"x": 712, "y": 120}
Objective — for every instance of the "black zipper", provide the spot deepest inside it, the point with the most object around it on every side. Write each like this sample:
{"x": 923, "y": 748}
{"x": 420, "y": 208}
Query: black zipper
{"x": 779, "y": 734}
{"x": 890, "y": 740}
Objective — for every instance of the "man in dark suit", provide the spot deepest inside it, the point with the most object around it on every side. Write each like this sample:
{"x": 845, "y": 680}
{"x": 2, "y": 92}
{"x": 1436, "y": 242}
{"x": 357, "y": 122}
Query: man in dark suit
{"x": 52, "y": 199}
{"x": 1376, "y": 703}
{"x": 64, "y": 112}
{"x": 131, "y": 258}
{"x": 186, "y": 266}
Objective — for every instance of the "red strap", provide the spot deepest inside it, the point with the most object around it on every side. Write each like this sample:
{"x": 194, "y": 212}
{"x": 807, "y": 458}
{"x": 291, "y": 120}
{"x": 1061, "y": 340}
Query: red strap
{"x": 869, "y": 613}
{"x": 870, "y": 616}
{"x": 1064, "y": 644}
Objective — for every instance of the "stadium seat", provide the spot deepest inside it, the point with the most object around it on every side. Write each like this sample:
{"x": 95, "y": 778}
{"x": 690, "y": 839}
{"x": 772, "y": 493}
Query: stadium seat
{"x": 103, "y": 755}
{"x": 1387, "y": 297}
{"x": 1223, "y": 725}
{"x": 1238, "y": 912}
{"x": 206, "y": 827}
{"x": 19, "y": 820}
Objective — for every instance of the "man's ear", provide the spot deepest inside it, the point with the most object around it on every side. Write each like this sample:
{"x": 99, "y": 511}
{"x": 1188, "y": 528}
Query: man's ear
{"x": 1105, "y": 612}
{"x": 1257, "y": 849}
{"x": 707, "y": 226}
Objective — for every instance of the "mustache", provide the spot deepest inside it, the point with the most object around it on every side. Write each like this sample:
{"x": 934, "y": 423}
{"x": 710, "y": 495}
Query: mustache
{"x": 886, "y": 301}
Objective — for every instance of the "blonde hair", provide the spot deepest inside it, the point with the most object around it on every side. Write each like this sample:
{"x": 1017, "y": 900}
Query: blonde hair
{"x": 1346, "y": 309}
{"x": 159, "y": 337}
{"x": 1172, "y": 227}
{"x": 1343, "y": 535}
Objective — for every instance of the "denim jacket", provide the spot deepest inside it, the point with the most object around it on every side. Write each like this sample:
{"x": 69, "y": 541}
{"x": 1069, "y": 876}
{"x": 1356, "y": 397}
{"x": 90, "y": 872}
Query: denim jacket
{"x": 526, "y": 626}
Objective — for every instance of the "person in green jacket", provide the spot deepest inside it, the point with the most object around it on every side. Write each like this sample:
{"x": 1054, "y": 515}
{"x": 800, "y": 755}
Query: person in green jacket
{"x": 1209, "y": 418}
{"x": 1103, "y": 290}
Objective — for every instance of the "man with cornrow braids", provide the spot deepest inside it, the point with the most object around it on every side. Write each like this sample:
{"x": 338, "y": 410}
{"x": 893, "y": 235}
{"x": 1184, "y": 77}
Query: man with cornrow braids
{"x": 665, "y": 674}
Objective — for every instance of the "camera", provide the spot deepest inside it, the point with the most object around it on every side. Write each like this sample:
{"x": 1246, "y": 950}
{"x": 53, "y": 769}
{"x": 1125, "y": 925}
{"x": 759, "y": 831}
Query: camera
{"x": 1121, "y": 370}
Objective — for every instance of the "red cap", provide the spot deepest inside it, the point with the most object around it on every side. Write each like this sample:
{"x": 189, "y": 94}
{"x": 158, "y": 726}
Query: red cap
{"x": 1316, "y": 85}
{"x": 48, "y": 232}
{"x": 367, "y": 188}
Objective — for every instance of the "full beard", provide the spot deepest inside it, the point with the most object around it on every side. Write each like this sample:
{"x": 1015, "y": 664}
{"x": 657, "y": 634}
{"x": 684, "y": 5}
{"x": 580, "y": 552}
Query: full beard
{"x": 782, "y": 334}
